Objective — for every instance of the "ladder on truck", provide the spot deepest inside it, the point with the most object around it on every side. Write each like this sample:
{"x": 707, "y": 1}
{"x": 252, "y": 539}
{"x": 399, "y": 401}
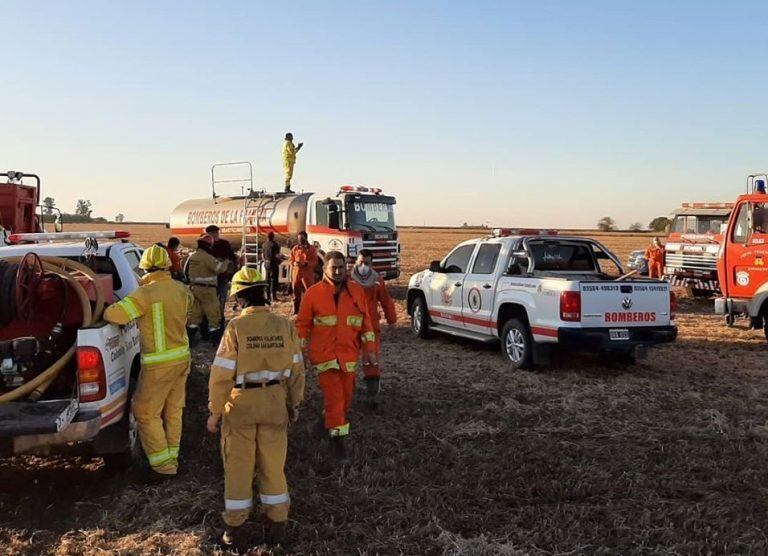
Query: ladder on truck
{"x": 262, "y": 204}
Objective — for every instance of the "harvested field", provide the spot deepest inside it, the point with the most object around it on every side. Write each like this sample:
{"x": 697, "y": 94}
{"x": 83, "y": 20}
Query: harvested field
{"x": 466, "y": 458}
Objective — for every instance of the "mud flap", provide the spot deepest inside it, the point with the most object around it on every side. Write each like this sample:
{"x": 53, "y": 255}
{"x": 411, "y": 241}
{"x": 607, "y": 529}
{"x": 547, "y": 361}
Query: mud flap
{"x": 542, "y": 354}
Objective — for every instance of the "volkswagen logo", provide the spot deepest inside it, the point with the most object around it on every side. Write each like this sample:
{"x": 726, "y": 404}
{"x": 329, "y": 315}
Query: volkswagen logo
{"x": 626, "y": 303}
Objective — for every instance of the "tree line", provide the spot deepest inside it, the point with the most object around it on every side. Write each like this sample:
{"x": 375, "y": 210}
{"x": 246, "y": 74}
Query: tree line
{"x": 658, "y": 224}
{"x": 83, "y": 212}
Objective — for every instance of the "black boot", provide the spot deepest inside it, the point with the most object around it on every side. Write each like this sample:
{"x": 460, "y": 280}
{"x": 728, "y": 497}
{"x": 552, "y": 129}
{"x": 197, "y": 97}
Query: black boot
{"x": 338, "y": 448}
{"x": 275, "y": 532}
{"x": 215, "y": 335}
{"x": 372, "y": 386}
{"x": 231, "y": 538}
{"x": 192, "y": 335}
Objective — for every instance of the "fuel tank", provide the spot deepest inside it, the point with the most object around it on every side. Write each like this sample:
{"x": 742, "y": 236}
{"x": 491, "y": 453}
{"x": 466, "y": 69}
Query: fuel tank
{"x": 283, "y": 214}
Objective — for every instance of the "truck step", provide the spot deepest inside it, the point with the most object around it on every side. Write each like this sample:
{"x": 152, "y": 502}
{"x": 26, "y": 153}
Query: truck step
{"x": 463, "y": 333}
{"x": 22, "y": 418}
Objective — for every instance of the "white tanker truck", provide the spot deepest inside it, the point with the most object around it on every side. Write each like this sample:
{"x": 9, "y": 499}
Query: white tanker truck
{"x": 349, "y": 220}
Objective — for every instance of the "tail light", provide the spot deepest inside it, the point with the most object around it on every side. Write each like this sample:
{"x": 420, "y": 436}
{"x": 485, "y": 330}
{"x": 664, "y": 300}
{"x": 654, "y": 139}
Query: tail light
{"x": 672, "y": 305}
{"x": 570, "y": 306}
{"x": 91, "y": 375}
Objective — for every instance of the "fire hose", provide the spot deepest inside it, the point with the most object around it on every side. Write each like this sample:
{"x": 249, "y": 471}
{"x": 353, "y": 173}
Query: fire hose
{"x": 63, "y": 268}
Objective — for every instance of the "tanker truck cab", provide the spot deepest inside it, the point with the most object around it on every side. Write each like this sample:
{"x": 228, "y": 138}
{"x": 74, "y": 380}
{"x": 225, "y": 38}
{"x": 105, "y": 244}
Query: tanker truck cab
{"x": 536, "y": 291}
{"x": 86, "y": 408}
{"x": 743, "y": 262}
{"x": 353, "y": 219}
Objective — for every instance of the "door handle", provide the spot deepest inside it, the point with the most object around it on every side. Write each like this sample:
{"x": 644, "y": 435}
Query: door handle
{"x": 457, "y": 284}
{"x": 487, "y": 286}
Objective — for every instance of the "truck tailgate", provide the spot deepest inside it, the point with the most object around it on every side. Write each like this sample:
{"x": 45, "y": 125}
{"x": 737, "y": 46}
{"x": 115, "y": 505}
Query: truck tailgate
{"x": 624, "y": 304}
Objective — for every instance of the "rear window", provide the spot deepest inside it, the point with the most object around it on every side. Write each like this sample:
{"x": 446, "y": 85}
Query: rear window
{"x": 562, "y": 256}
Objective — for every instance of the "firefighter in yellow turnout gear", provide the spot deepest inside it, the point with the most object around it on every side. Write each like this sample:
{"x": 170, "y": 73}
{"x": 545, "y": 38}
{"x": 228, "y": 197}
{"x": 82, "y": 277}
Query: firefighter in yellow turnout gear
{"x": 204, "y": 269}
{"x": 256, "y": 385}
{"x": 160, "y": 306}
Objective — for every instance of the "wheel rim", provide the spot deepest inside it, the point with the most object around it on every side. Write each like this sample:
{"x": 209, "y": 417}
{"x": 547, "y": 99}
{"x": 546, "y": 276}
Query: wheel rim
{"x": 515, "y": 345}
{"x": 416, "y": 320}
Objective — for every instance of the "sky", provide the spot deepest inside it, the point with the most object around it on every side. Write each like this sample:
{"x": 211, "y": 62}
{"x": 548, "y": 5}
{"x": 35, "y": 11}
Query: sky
{"x": 507, "y": 113}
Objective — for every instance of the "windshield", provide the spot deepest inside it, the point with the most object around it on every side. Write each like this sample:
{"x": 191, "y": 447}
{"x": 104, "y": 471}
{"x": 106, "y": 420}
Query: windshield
{"x": 371, "y": 215}
{"x": 704, "y": 225}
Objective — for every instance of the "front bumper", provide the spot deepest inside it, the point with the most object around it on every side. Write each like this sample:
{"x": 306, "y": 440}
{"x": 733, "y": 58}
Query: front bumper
{"x": 598, "y": 339}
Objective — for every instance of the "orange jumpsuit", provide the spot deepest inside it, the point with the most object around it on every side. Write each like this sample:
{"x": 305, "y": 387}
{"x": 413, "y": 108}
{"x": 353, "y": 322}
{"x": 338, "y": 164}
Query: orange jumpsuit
{"x": 333, "y": 329}
{"x": 303, "y": 264}
{"x": 378, "y": 294}
{"x": 655, "y": 256}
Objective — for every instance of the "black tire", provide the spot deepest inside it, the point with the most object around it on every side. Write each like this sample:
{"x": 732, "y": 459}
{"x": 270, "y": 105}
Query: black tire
{"x": 625, "y": 357}
{"x": 699, "y": 293}
{"x": 125, "y": 432}
{"x": 517, "y": 345}
{"x": 420, "y": 318}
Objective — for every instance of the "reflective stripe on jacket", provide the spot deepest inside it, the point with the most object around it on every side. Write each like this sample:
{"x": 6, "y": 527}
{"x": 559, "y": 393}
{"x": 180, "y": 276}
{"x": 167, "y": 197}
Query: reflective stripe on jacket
{"x": 257, "y": 346}
{"x": 160, "y": 305}
{"x": 335, "y": 332}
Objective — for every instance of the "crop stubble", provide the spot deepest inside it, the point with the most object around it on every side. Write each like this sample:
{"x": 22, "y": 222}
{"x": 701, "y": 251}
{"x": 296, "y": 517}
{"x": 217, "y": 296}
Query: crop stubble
{"x": 667, "y": 457}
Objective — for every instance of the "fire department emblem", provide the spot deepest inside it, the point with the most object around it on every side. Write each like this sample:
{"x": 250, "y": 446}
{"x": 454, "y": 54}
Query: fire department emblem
{"x": 742, "y": 278}
{"x": 475, "y": 300}
{"x": 447, "y": 294}
{"x": 626, "y": 303}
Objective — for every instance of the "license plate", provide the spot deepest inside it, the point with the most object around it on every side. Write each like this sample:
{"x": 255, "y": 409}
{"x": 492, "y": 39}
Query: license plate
{"x": 618, "y": 334}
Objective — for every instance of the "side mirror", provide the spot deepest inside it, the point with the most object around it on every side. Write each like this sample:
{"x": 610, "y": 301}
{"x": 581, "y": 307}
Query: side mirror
{"x": 333, "y": 220}
{"x": 57, "y": 224}
{"x": 434, "y": 266}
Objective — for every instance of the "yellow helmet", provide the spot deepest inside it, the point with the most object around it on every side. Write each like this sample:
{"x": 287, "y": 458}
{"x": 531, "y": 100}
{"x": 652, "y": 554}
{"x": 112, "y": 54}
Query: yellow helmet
{"x": 246, "y": 277}
{"x": 155, "y": 257}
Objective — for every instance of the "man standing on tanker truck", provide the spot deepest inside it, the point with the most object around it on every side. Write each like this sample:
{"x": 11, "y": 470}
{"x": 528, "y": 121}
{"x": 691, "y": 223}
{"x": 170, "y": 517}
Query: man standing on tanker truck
{"x": 204, "y": 269}
{"x": 289, "y": 159}
{"x": 160, "y": 306}
{"x": 303, "y": 262}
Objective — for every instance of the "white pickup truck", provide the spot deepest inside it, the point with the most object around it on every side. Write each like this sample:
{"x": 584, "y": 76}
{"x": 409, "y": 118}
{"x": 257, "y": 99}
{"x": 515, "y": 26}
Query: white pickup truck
{"x": 536, "y": 292}
{"x": 87, "y": 409}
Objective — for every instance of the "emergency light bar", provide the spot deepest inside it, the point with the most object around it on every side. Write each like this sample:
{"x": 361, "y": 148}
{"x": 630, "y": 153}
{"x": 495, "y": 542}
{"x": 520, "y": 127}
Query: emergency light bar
{"x": 20, "y": 238}
{"x": 708, "y": 205}
{"x": 359, "y": 189}
{"x": 506, "y": 232}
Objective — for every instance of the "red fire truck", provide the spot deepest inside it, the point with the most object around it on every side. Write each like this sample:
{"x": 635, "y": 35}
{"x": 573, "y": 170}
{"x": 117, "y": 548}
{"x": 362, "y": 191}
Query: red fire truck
{"x": 742, "y": 266}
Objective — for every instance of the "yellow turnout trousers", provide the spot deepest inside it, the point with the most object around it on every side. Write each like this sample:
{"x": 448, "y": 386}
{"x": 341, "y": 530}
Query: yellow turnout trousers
{"x": 288, "y": 167}
{"x": 254, "y": 436}
{"x": 206, "y": 303}
{"x": 158, "y": 405}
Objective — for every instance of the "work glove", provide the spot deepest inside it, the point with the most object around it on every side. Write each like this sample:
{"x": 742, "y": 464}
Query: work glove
{"x": 299, "y": 146}
{"x": 293, "y": 414}
{"x": 213, "y": 424}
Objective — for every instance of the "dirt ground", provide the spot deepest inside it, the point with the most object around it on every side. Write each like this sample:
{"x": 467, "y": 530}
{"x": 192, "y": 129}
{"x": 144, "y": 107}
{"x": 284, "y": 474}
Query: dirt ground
{"x": 466, "y": 458}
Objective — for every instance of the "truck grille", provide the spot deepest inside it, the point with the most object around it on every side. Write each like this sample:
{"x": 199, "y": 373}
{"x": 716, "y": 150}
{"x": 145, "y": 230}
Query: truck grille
{"x": 693, "y": 261}
{"x": 385, "y": 255}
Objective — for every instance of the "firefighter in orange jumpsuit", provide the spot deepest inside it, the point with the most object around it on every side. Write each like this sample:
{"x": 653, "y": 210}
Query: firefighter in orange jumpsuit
{"x": 655, "y": 256}
{"x": 303, "y": 263}
{"x": 377, "y": 295}
{"x": 334, "y": 323}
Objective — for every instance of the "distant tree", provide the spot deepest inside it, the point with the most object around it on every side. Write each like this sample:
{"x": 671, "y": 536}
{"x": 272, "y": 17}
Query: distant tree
{"x": 659, "y": 224}
{"x": 635, "y": 227}
{"x": 606, "y": 224}
{"x": 48, "y": 205}
{"x": 465, "y": 225}
{"x": 83, "y": 208}
{"x": 120, "y": 218}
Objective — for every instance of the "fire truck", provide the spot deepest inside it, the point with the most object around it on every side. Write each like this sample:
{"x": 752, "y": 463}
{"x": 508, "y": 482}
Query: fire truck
{"x": 695, "y": 234}
{"x": 347, "y": 219}
{"x": 743, "y": 263}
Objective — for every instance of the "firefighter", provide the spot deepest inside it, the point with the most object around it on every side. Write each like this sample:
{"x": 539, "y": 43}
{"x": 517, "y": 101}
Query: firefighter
{"x": 655, "y": 256}
{"x": 289, "y": 159}
{"x": 377, "y": 295}
{"x": 303, "y": 262}
{"x": 203, "y": 270}
{"x": 255, "y": 387}
{"x": 270, "y": 252}
{"x": 223, "y": 251}
{"x": 173, "y": 253}
{"x": 160, "y": 306}
{"x": 334, "y": 323}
